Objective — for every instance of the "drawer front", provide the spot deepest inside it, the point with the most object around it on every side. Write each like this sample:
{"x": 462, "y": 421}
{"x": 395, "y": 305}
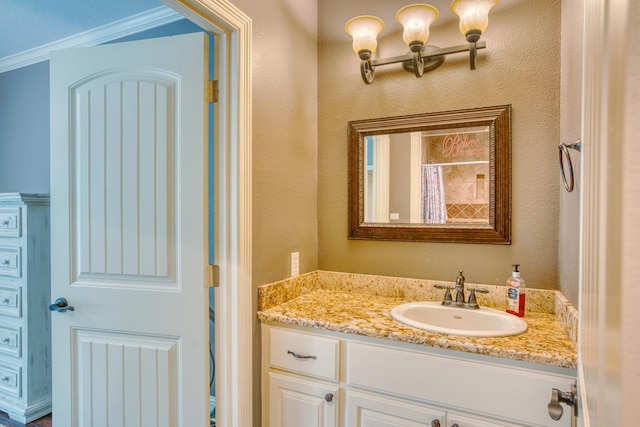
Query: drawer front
{"x": 10, "y": 261}
{"x": 304, "y": 353}
{"x": 10, "y": 338}
{"x": 10, "y": 222}
{"x": 10, "y": 304}
{"x": 10, "y": 380}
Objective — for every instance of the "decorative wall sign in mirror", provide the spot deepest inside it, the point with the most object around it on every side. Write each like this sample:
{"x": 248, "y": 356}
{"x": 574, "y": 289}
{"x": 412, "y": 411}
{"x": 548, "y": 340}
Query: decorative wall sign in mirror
{"x": 437, "y": 177}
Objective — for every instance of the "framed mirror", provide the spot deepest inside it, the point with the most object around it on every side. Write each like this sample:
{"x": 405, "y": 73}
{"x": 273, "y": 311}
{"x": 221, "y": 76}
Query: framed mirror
{"x": 434, "y": 177}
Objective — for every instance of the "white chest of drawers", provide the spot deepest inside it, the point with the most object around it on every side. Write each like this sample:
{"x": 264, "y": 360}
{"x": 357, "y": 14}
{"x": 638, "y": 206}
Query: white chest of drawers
{"x": 25, "y": 291}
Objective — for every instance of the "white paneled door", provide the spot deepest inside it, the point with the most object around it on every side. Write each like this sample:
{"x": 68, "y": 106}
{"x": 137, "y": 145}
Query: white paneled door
{"x": 129, "y": 249}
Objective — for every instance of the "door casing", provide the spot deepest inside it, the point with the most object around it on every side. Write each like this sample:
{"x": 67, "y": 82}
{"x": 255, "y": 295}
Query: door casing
{"x": 234, "y": 323}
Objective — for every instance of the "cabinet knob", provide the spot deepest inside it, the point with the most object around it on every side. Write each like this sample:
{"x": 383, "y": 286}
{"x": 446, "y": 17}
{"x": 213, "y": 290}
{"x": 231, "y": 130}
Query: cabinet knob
{"x": 455, "y": 425}
{"x": 6, "y": 300}
{"x": 6, "y": 261}
{"x": 5, "y": 222}
{"x": 6, "y": 340}
{"x": 4, "y": 379}
{"x": 328, "y": 397}
{"x": 435, "y": 423}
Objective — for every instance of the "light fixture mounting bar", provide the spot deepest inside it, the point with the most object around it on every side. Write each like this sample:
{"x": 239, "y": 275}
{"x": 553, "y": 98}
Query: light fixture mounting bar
{"x": 429, "y": 53}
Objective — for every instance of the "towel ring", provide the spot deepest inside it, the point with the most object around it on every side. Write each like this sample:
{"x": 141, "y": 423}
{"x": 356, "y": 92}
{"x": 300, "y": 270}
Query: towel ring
{"x": 563, "y": 151}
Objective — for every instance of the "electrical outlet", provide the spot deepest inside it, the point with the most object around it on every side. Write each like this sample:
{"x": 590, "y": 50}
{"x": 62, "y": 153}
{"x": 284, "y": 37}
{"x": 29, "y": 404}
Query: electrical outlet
{"x": 295, "y": 263}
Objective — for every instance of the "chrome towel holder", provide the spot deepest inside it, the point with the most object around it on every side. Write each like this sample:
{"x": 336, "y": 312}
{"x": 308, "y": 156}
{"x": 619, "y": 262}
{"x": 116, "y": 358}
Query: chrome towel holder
{"x": 563, "y": 151}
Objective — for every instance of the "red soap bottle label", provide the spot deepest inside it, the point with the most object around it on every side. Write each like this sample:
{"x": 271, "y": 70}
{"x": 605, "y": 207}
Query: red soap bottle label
{"x": 515, "y": 302}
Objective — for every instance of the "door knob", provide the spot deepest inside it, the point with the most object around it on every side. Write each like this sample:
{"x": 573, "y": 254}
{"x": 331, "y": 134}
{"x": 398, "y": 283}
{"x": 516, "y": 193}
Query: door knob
{"x": 60, "y": 305}
{"x": 557, "y": 397}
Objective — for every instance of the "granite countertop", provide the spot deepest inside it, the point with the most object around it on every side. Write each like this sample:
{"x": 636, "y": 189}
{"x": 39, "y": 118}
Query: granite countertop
{"x": 361, "y": 305}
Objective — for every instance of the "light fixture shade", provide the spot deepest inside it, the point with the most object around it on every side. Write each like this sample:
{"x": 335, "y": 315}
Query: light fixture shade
{"x": 364, "y": 30}
{"x": 474, "y": 14}
{"x": 416, "y": 19}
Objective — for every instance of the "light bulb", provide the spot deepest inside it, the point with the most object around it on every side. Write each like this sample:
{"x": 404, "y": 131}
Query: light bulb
{"x": 364, "y": 30}
{"x": 416, "y": 19}
{"x": 474, "y": 16}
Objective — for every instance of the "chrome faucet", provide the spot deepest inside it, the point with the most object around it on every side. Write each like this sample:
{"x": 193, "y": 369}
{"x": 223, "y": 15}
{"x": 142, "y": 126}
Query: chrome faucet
{"x": 460, "y": 301}
{"x": 460, "y": 288}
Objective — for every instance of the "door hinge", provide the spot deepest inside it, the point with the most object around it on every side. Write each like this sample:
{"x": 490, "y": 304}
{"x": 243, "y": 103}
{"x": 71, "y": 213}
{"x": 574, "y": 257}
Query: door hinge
{"x": 214, "y": 276}
{"x": 212, "y": 91}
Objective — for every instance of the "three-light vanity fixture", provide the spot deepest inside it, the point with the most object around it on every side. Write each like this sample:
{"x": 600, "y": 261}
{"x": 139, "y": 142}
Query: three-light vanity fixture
{"x": 416, "y": 19}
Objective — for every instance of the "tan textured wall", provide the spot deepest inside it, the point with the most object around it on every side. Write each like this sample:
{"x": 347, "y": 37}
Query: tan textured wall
{"x": 630, "y": 317}
{"x": 570, "y": 131}
{"x": 520, "y": 67}
{"x": 284, "y": 145}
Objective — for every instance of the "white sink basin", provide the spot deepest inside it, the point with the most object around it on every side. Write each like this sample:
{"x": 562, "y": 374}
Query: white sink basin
{"x": 435, "y": 317}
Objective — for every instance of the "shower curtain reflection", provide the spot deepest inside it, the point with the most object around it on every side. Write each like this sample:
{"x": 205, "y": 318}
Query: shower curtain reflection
{"x": 434, "y": 209}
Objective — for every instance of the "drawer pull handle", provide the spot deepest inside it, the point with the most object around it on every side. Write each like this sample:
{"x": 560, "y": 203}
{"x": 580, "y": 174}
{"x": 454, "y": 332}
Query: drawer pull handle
{"x": 6, "y": 261}
{"x": 5, "y": 378}
{"x": 6, "y": 300}
{"x": 5, "y": 222}
{"x": 6, "y": 340}
{"x": 299, "y": 356}
{"x": 328, "y": 397}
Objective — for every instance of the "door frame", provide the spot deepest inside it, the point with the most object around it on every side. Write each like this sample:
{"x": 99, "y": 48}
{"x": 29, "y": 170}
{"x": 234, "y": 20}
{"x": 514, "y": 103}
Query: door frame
{"x": 610, "y": 232}
{"x": 234, "y": 315}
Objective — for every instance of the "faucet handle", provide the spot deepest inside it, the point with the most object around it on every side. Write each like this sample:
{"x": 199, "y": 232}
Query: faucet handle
{"x": 473, "y": 303}
{"x": 447, "y": 295}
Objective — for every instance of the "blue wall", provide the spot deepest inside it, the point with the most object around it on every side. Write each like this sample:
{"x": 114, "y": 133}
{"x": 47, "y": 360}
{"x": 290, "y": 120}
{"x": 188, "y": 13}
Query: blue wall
{"x": 24, "y": 119}
{"x": 24, "y": 129}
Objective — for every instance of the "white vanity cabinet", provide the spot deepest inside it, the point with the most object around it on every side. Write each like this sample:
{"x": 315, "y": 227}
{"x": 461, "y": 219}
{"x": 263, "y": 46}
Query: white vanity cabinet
{"x": 25, "y": 292}
{"x": 380, "y": 383}
{"x": 371, "y": 410}
{"x": 302, "y": 373}
{"x": 303, "y": 403}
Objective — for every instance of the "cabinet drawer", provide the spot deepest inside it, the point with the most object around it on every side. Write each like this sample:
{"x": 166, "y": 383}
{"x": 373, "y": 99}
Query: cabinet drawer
{"x": 10, "y": 338}
{"x": 10, "y": 222}
{"x": 10, "y": 261}
{"x": 10, "y": 301}
{"x": 10, "y": 380}
{"x": 304, "y": 353}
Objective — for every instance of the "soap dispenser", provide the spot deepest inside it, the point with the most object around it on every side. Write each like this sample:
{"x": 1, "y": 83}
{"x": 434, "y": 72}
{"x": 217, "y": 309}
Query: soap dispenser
{"x": 516, "y": 293}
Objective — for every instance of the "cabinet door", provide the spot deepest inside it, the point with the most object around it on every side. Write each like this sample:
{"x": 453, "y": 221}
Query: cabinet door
{"x": 294, "y": 402}
{"x": 456, "y": 420}
{"x": 368, "y": 410}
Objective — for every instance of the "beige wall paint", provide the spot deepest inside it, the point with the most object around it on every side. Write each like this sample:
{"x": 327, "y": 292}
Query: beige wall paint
{"x": 520, "y": 67}
{"x": 284, "y": 146}
{"x": 630, "y": 291}
{"x": 570, "y": 131}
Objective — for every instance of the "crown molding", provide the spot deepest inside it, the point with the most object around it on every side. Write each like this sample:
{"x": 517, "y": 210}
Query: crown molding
{"x": 99, "y": 35}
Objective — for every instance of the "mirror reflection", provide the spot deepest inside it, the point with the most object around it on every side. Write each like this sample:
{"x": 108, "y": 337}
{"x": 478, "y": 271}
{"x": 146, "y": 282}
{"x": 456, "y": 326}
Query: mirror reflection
{"x": 443, "y": 177}
{"x": 428, "y": 177}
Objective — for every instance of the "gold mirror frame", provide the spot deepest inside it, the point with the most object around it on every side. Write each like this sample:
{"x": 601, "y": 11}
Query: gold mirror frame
{"x": 498, "y": 228}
